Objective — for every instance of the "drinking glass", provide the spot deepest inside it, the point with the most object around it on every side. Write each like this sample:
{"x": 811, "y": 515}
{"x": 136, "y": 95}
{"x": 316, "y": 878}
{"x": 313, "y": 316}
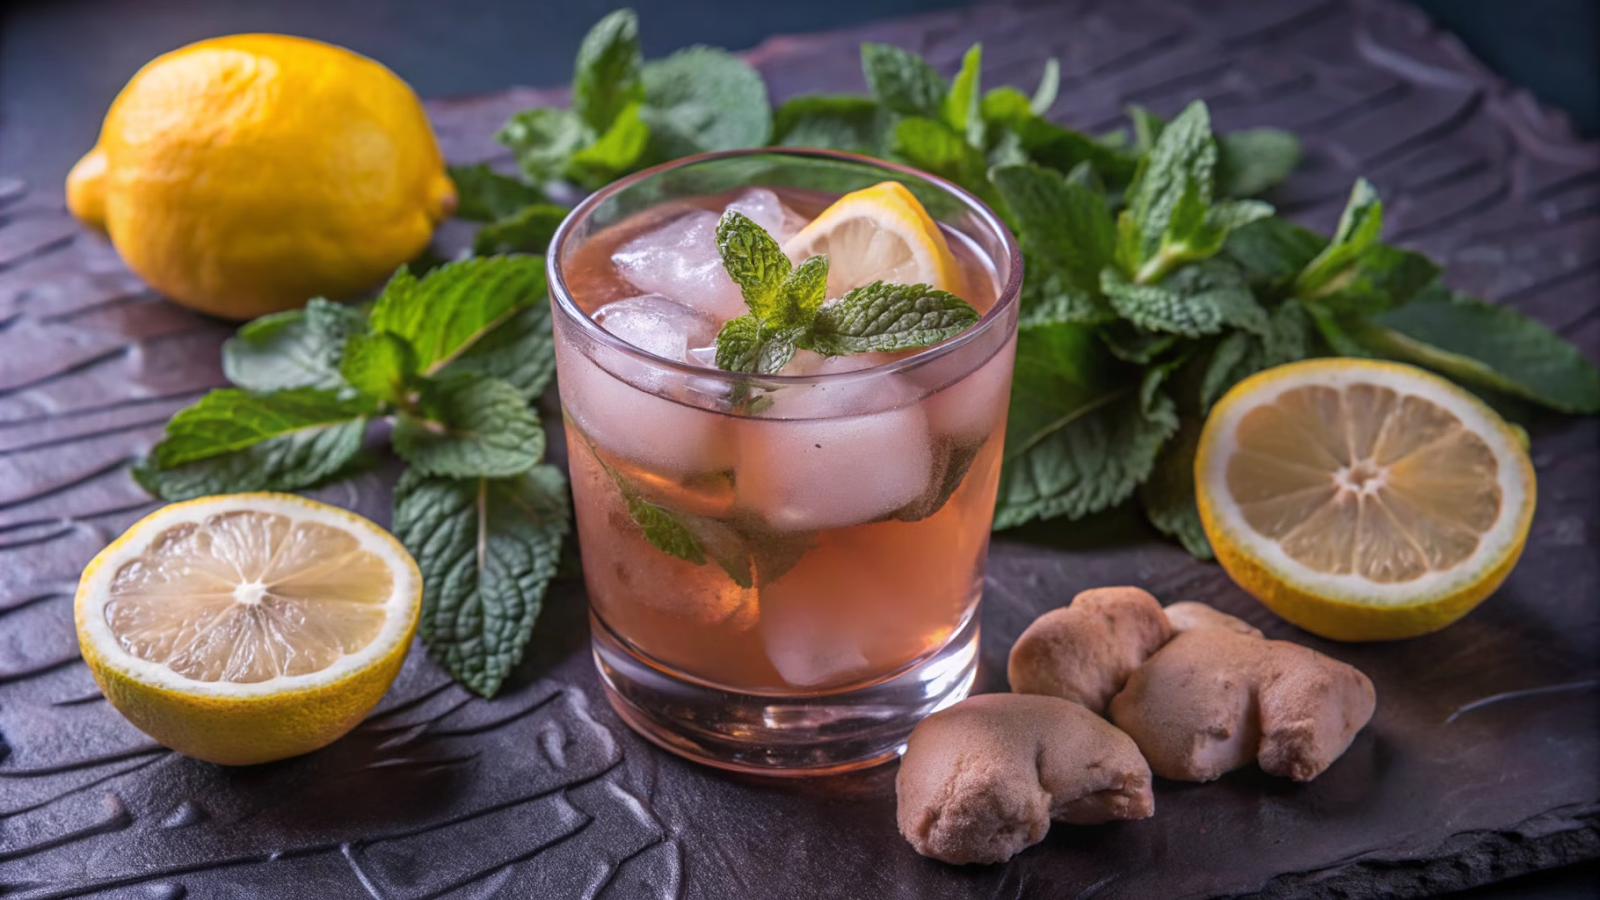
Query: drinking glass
{"x": 783, "y": 571}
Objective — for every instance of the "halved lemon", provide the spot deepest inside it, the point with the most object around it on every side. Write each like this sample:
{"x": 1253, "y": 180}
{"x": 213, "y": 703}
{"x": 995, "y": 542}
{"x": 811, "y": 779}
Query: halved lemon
{"x": 880, "y": 233}
{"x": 1362, "y": 500}
{"x": 250, "y": 627}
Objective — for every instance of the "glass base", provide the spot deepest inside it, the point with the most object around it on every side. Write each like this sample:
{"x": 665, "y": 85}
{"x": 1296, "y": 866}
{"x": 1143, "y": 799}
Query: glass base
{"x": 783, "y": 735}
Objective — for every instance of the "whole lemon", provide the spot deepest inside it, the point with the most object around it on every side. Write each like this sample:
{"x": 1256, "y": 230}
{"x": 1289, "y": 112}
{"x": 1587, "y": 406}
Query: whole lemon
{"x": 242, "y": 175}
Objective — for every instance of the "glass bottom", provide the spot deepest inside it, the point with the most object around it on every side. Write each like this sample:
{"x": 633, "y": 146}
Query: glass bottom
{"x": 783, "y": 734}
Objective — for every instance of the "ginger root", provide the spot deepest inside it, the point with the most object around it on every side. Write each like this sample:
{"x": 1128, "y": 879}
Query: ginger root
{"x": 1215, "y": 699}
{"x": 1201, "y": 692}
{"x": 982, "y": 780}
{"x": 1085, "y": 652}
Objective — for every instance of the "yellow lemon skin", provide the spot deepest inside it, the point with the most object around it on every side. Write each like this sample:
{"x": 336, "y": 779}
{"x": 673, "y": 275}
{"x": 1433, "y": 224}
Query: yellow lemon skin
{"x": 1331, "y": 617}
{"x": 242, "y": 731}
{"x": 243, "y": 175}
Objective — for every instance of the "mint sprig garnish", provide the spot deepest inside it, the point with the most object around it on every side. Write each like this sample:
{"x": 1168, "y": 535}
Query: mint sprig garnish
{"x": 788, "y": 309}
{"x": 452, "y": 359}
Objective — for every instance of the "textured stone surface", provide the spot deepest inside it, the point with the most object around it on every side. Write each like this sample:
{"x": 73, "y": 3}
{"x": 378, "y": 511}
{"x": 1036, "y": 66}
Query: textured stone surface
{"x": 1483, "y": 760}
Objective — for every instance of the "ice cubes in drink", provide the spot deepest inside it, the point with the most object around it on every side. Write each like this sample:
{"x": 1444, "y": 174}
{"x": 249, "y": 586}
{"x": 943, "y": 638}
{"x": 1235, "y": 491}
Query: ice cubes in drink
{"x": 630, "y": 419}
{"x": 657, "y": 325}
{"x": 805, "y": 474}
{"x": 679, "y": 259}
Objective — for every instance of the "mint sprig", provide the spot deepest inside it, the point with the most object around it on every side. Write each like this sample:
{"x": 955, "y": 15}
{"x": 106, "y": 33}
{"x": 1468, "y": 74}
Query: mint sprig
{"x": 452, "y": 359}
{"x": 787, "y": 308}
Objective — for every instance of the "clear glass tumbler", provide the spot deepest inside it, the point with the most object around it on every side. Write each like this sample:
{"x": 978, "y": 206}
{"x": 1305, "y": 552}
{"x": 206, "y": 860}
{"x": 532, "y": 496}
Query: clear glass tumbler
{"x": 783, "y": 571}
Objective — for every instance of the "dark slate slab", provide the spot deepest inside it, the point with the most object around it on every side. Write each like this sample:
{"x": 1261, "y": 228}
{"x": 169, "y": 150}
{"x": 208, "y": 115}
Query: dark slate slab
{"x": 1483, "y": 761}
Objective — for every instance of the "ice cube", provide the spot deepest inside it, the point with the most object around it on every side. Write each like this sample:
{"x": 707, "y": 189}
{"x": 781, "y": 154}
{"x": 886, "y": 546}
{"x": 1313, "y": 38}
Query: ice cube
{"x": 657, "y": 325}
{"x": 637, "y": 418}
{"x": 970, "y": 410}
{"x": 765, "y": 209}
{"x": 807, "y": 650}
{"x": 806, "y": 474}
{"x": 680, "y": 259}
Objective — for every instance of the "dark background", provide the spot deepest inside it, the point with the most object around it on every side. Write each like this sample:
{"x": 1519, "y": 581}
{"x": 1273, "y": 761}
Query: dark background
{"x": 62, "y": 62}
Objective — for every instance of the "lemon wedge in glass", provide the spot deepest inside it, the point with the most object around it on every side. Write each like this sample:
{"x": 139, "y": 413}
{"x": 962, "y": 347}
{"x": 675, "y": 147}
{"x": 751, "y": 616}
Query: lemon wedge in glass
{"x": 246, "y": 628}
{"x": 1363, "y": 500}
{"x": 880, "y": 233}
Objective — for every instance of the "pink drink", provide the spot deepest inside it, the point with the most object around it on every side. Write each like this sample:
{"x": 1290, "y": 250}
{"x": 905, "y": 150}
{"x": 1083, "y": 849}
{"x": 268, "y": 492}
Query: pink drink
{"x": 826, "y": 529}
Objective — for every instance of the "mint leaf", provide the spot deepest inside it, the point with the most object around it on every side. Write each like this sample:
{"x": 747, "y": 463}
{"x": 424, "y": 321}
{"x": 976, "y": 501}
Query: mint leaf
{"x": 1056, "y": 299}
{"x": 701, "y": 99}
{"x": 1135, "y": 345}
{"x": 663, "y": 530}
{"x": 1182, "y": 162}
{"x": 233, "y": 441}
{"x": 903, "y": 81}
{"x": 378, "y": 364}
{"x": 804, "y": 291}
{"x": 1487, "y": 346}
{"x": 528, "y": 230}
{"x": 1063, "y": 149}
{"x": 1240, "y": 354}
{"x": 442, "y": 314}
{"x": 615, "y": 152}
{"x": 468, "y": 426}
{"x": 1197, "y": 300}
{"x": 293, "y": 349}
{"x": 1272, "y": 252}
{"x": 1006, "y": 107}
{"x": 1065, "y": 227}
{"x": 1197, "y": 232}
{"x": 227, "y": 420}
{"x": 887, "y": 317}
{"x": 521, "y": 351}
{"x": 1381, "y": 278}
{"x": 961, "y": 105}
{"x": 754, "y": 261}
{"x": 1091, "y": 455}
{"x": 1044, "y": 96}
{"x": 930, "y": 145}
{"x": 606, "y": 76}
{"x": 832, "y": 122}
{"x": 484, "y": 195}
{"x": 543, "y": 139}
{"x": 1168, "y": 494}
{"x": 488, "y": 549}
{"x": 288, "y": 462}
{"x": 1360, "y": 226}
{"x": 746, "y": 344}
{"x": 1249, "y": 162}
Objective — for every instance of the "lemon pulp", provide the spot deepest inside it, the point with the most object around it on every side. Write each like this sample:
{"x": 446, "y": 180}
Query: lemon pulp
{"x": 248, "y": 596}
{"x": 1365, "y": 481}
{"x": 880, "y": 233}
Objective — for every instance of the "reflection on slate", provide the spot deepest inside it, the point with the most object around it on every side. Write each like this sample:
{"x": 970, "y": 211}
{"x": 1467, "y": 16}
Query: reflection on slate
{"x": 1483, "y": 760}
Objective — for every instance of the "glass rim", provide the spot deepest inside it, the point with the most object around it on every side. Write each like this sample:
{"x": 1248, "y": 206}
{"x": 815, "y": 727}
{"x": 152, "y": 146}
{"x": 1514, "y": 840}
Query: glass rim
{"x": 1006, "y": 298}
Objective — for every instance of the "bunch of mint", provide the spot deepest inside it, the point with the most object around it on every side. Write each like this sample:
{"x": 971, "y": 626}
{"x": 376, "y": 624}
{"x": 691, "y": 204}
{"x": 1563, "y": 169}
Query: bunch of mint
{"x": 453, "y": 360}
{"x": 1154, "y": 282}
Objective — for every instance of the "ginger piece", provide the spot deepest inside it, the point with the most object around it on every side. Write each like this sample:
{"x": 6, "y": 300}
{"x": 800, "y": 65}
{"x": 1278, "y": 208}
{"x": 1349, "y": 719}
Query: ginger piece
{"x": 1189, "y": 615}
{"x": 982, "y": 780}
{"x": 1084, "y": 652}
{"x": 1215, "y": 699}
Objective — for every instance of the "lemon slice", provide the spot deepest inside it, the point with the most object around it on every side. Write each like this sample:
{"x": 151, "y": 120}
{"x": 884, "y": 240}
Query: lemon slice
{"x": 880, "y": 233}
{"x": 1362, "y": 500}
{"x": 246, "y": 628}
